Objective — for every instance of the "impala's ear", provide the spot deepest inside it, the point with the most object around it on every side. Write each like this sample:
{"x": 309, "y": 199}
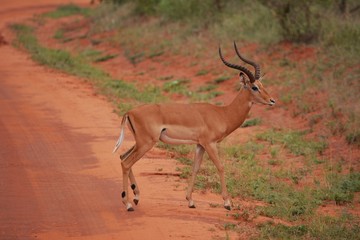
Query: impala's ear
{"x": 242, "y": 79}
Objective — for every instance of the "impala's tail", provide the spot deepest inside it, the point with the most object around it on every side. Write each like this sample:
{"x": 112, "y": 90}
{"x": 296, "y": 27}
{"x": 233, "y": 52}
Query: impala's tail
{"x": 121, "y": 137}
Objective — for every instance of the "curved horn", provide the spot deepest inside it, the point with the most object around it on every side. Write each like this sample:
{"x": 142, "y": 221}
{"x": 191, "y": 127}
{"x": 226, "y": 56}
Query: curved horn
{"x": 254, "y": 64}
{"x": 241, "y": 68}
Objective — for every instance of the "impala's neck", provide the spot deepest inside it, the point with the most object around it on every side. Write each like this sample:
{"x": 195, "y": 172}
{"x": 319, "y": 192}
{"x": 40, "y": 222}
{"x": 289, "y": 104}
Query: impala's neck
{"x": 238, "y": 110}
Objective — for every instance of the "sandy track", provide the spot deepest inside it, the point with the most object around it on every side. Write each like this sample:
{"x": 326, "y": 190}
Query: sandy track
{"x": 58, "y": 178}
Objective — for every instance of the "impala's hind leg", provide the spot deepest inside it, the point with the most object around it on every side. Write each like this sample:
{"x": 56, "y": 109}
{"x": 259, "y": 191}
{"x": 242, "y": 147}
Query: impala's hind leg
{"x": 134, "y": 187}
{"x": 128, "y": 160}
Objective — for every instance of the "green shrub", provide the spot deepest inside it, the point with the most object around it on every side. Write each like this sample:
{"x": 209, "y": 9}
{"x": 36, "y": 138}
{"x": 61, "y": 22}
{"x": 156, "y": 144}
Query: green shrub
{"x": 299, "y": 20}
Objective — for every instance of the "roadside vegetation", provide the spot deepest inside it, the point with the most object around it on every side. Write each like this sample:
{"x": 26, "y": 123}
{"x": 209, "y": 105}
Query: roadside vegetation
{"x": 311, "y": 50}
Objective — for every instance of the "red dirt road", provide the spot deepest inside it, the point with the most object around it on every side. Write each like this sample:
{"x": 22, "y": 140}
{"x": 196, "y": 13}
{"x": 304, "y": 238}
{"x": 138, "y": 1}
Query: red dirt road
{"x": 58, "y": 178}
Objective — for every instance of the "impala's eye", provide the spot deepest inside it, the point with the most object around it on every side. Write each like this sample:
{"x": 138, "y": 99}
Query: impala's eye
{"x": 255, "y": 88}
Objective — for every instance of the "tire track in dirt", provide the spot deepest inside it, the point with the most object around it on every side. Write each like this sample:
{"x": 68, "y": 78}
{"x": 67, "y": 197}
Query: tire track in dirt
{"x": 58, "y": 178}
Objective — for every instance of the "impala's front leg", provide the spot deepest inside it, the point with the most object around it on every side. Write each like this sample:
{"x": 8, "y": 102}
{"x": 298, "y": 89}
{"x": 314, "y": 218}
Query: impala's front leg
{"x": 196, "y": 166}
{"x": 211, "y": 149}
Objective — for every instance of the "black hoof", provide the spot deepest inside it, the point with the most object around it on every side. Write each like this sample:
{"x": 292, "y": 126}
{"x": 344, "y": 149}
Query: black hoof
{"x": 130, "y": 209}
{"x": 227, "y": 208}
{"x": 136, "y": 201}
{"x": 192, "y": 206}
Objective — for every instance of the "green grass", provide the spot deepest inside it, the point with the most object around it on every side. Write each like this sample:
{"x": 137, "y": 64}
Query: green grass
{"x": 341, "y": 188}
{"x": 59, "y": 34}
{"x": 205, "y": 96}
{"x": 68, "y": 10}
{"x": 105, "y": 57}
{"x": 353, "y": 137}
{"x": 180, "y": 150}
{"x": 248, "y": 177}
{"x": 178, "y": 86}
{"x": 251, "y": 122}
{"x": 221, "y": 79}
{"x": 327, "y": 228}
{"x": 207, "y": 88}
{"x": 202, "y": 72}
{"x": 90, "y": 54}
{"x": 205, "y": 93}
{"x": 295, "y": 141}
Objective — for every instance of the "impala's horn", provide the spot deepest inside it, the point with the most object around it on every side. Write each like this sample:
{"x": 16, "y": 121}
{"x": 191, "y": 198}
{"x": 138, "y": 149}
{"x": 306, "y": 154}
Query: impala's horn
{"x": 254, "y": 64}
{"x": 238, "y": 67}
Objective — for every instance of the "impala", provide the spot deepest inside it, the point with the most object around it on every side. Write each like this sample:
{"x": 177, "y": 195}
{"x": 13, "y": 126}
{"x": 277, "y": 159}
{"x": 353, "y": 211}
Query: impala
{"x": 202, "y": 124}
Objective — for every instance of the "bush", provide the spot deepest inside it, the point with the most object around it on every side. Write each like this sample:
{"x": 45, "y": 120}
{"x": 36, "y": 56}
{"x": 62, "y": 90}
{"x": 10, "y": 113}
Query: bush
{"x": 299, "y": 20}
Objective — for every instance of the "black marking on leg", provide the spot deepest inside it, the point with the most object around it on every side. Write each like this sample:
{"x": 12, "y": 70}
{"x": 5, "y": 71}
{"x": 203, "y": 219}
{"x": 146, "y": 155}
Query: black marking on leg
{"x": 123, "y": 194}
{"x": 136, "y": 201}
{"x": 131, "y": 125}
{"x": 126, "y": 154}
{"x": 133, "y": 186}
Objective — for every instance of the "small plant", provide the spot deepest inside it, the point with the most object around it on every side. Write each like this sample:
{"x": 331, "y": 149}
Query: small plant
{"x": 274, "y": 151}
{"x": 166, "y": 78}
{"x": 134, "y": 58}
{"x": 353, "y": 137}
{"x": 202, "y": 72}
{"x": 229, "y": 226}
{"x": 177, "y": 86}
{"x": 273, "y": 162}
{"x": 59, "y": 34}
{"x": 207, "y": 88}
{"x": 156, "y": 53}
{"x": 221, "y": 79}
{"x": 185, "y": 160}
{"x": 90, "y": 54}
{"x": 251, "y": 122}
{"x": 105, "y": 58}
{"x": 185, "y": 172}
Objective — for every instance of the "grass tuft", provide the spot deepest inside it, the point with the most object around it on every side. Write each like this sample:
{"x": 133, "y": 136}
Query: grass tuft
{"x": 294, "y": 141}
{"x": 68, "y": 10}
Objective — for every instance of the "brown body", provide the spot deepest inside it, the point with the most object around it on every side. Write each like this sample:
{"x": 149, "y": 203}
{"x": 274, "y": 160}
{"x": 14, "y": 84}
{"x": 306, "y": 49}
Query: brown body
{"x": 196, "y": 123}
{"x": 202, "y": 124}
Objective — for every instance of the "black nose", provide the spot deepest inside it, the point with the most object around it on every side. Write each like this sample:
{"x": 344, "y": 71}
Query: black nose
{"x": 272, "y": 101}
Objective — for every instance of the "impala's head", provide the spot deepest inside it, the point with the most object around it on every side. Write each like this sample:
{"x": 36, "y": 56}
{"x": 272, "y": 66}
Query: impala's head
{"x": 250, "y": 81}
